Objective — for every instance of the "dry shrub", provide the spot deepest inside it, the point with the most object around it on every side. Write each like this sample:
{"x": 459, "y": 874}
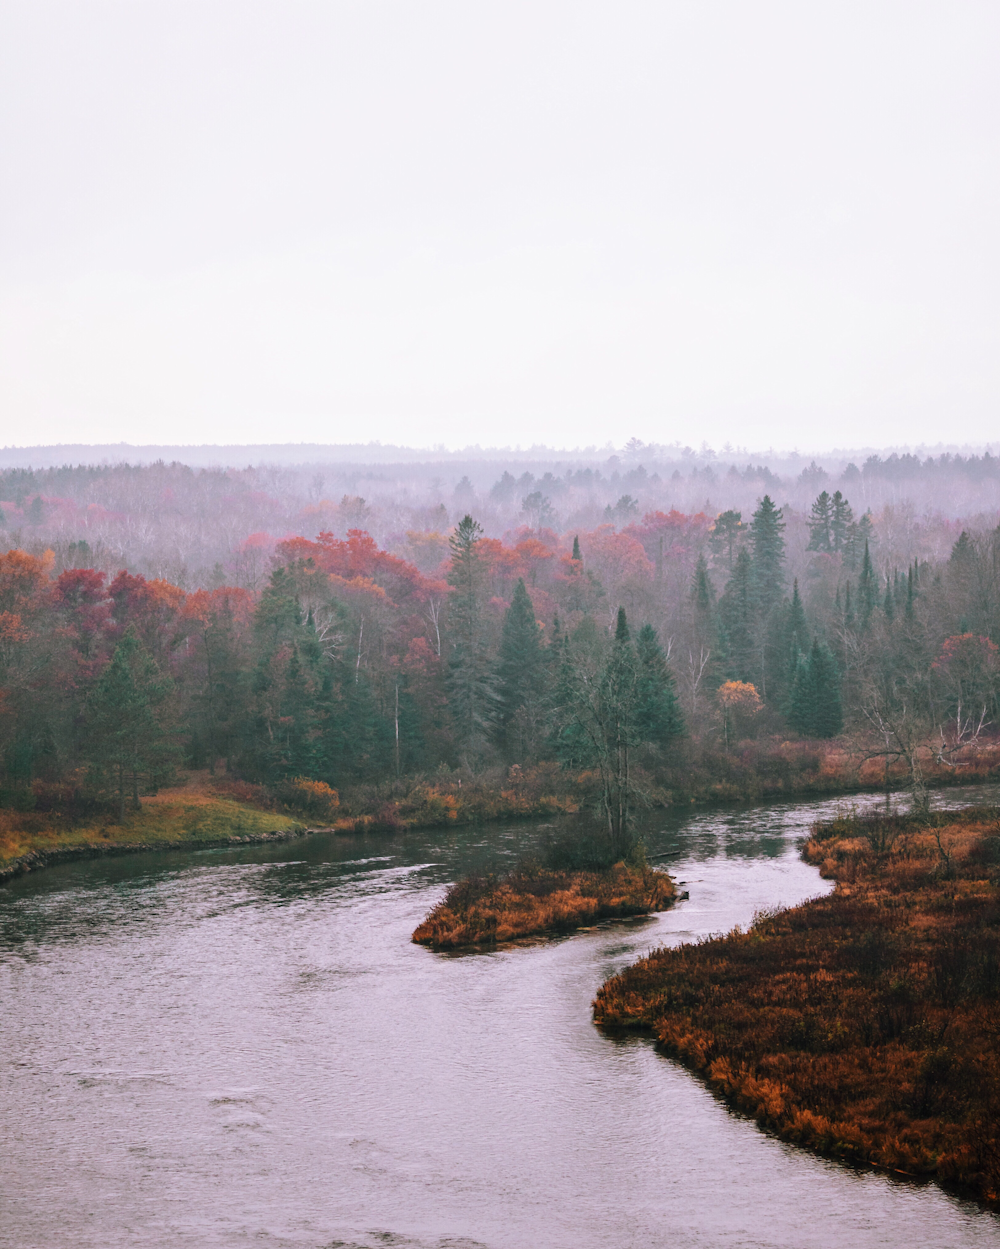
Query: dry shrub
{"x": 314, "y": 799}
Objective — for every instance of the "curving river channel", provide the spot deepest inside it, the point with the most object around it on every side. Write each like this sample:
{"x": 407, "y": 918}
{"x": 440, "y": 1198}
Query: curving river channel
{"x": 242, "y": 1047}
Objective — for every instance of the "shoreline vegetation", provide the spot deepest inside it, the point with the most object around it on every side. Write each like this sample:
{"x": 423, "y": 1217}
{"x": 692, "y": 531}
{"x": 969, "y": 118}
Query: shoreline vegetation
{"x": 59, "y": 822}
{"x": 865, "y": 1024}
{"x": 531, "y": 900}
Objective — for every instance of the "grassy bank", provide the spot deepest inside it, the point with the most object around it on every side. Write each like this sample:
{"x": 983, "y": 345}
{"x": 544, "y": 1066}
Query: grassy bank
{"x": 865, "y": 1024}
{"x": 484, "y": 910}
{"x": 183, "y": 817}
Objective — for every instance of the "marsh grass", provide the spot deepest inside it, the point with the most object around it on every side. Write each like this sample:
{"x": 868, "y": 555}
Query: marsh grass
{"x": 537, "y": 898}
{"x": 865, "y": 1024}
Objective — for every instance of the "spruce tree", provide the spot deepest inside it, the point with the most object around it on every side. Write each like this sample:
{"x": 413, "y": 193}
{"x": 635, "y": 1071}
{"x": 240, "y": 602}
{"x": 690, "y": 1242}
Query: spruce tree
{"x": 866, "y": 589}
{"x": 819, "y": 524}
{"x": 841, "y": 519}
{"x": 576, "y": 550}
{"x": 795, "y": 632}
{"x": 767, "y": 563}
{"x": 519, "y": 678}
{"x": 725, "y": 534}
{"x": 736, "y": 621}
{"x": 126, "y": 738}
{"x": 815, "y": 708}
{"x": 468, "y": 664}
{"x": 702, "y": 590}
{"x": 657, "y": 713}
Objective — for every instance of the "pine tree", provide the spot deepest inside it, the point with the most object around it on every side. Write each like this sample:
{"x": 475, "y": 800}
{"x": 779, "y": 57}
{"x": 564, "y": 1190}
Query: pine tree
{"x": 568, "y": 739}
{"x": 767, "y": 563}
{"x": 702, "y": 590}
{"x": 657, "y": 714}
{"x": 819, "y": 524}
{"x": 126, "y": 736}
{"x": 576, "y": 550}
{"x": 815, "y": 708}
{"x": 841, "y": 519}
{"x": 736, "y": 621}
{"x": 468, "y": 665}
{"x": 519, "y": 678}
{"x": 617, "y": 707}
{"x": 795, "y": 638}
{"x": 725, "y": 534}
{"x": 866, "y": 589}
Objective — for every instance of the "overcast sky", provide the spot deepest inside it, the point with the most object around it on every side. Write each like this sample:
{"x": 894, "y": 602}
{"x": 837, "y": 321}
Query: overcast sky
{"x": 424, "y": 222}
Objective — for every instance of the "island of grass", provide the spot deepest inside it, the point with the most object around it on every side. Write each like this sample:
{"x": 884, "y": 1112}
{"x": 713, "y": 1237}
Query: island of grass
{"x": 536, "y": 898}
{"x": 865, "y": 1024}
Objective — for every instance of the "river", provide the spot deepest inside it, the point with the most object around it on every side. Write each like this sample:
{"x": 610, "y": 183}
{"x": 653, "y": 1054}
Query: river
{"x": 242, "y": 1047}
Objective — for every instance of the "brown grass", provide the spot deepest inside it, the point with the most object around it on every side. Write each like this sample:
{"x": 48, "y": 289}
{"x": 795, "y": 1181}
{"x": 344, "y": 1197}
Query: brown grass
{"x": 865, "y": 1024}
{"x": 486, "y": 910}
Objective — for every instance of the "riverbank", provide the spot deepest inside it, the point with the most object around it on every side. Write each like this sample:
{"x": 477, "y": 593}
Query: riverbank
{"x": 486, "y": 910}
{"x": 762, "y": 770}
{"x": 864, "y": 1024}
{"x": 184, "y": 817}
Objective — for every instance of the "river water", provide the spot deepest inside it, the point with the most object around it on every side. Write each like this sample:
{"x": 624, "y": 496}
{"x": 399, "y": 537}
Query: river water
{"x": 242, "y": 1047}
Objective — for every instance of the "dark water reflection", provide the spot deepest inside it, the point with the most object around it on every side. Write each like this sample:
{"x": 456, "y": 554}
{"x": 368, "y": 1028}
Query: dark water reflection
{"x": 242, "y": 1047}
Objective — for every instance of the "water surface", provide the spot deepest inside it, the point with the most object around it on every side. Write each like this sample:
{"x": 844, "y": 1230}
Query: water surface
{"x": 242, "y": 1047}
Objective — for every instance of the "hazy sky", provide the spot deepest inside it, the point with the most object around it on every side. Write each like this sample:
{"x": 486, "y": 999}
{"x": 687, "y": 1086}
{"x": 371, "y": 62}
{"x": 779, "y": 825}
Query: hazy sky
{"x": 423, "y": 222}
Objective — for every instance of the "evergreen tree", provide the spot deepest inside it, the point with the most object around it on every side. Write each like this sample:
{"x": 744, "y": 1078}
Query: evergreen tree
{"x": 657, "y": 714}
{"x": 737, "y": 621}
{"x": 866, "y": 589}
{"x": 795, "y": 632}
{"x": 860, "y": 535}
{"x": 767, "y": 562}
{"x": 815, "y": 709}
{"x": 576, "y": 549}
{"x": 468, "y": 665}
{"x": 520, "y": 678}
{"x": 702, "y": 590}
{"x": 841, "y": 520}
{"x": 126, "y": 738}
{"x": 616, "y": 723}
{"x": 725, "y": 535}
{"x": 820, "y": 524}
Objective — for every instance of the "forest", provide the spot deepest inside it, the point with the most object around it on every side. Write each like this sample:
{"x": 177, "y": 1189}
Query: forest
{"x": 647, "y": 657}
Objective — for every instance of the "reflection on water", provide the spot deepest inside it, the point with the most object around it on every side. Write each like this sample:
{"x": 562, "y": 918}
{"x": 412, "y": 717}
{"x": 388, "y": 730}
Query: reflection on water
{"x": 242, "y": 1047}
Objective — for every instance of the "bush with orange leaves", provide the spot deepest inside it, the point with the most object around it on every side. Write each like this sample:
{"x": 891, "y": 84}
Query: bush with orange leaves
{"x": 315, "y": 799}
{"x": 865, "y": 1024}
{"x": 483, "y": 910}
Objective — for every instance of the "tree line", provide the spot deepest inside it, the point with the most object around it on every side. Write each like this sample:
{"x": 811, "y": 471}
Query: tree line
{"x": 603, "y": 655}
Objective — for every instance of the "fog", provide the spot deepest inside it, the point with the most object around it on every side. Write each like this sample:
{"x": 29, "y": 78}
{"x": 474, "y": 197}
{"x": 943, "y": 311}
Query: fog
{"x": 204, "y": 517}
{"x": 769, "y": 225}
